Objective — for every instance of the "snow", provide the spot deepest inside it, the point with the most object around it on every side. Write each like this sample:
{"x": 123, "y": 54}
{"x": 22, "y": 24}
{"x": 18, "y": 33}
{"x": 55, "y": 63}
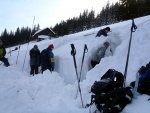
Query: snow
{"x": 44, "y": 36}
{"x": 55, "y": 92}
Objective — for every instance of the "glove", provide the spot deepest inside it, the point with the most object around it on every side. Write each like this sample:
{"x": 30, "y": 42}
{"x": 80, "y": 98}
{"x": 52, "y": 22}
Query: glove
{"x": 110, "y": 50}
{"x": 1, "y": 56}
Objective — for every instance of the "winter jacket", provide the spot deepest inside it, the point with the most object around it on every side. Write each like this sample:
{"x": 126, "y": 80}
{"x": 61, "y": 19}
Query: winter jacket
{"x": 101, "y": 32}
{"x": 2, "y": 51}
{"x": 144, "y": 74}
{"x": 51, "y": 58}
{"x": 47, "y": 59}
{"x": 99, "y": 54}
{"x": 34, "y": 57}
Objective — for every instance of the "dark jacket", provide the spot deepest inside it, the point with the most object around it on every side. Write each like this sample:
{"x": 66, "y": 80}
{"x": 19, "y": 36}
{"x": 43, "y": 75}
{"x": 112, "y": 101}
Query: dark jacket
{"x": 2, "y": 51}
{"x": 101, "y": 32}
{"x": 47, "y": 59}
{"x": 34, "y": 57}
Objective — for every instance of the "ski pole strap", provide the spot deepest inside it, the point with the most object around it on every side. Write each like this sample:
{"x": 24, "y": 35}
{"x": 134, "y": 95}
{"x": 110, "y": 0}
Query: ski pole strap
{"x": 133, "y": 27}
{"x": 73, "y": 51}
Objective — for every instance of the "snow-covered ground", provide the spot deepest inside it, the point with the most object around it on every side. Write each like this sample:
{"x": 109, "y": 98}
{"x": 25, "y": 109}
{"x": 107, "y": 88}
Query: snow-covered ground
{"x": 55, "y": 92}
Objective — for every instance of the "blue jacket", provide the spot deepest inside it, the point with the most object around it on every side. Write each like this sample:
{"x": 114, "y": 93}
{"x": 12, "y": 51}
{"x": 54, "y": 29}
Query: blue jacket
{"x": 47, "y": 60}
{"x": 101, "y": 32}
{"x": 144, "y": 74}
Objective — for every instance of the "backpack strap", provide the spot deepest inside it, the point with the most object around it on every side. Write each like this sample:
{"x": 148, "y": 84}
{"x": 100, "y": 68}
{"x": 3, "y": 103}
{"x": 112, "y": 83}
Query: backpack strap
{"x": 93, "y": 98}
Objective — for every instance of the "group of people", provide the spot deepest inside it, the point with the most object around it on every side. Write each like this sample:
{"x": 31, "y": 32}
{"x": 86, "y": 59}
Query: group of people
{"x": 45, "y": 59}
{"x": 100, "y": 52}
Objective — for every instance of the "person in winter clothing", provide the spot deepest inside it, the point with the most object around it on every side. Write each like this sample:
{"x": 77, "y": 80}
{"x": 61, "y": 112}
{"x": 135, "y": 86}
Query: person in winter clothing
{"x": 103, "y": 32}
{"x": 2, "y": 54}
{"x": 47, "y": 58}
{"x": 100, "y": 53}
{"x": 34, "y": 60}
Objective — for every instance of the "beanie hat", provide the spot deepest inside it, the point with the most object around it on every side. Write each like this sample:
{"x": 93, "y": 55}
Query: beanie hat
{"x": 106, "y": 43}
{"x": 107, "y": 28}
{"x": 51, "y": 46}
{"x": 35, "y": 47}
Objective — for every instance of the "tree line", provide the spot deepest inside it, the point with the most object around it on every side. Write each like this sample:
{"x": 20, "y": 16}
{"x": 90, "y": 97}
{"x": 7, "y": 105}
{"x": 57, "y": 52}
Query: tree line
{"x": 20, "y": 36}
{"x": 111, "y": 13}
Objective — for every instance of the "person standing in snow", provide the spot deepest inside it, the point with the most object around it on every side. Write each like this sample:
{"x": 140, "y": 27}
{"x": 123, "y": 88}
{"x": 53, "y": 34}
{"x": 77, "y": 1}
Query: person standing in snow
{"x": 34, "y": 60}
{"x": 2, "y": 54}
{"x": 47, "y": 59}
{"x": 103, "y": 32}
{"x": 100, "y": 53}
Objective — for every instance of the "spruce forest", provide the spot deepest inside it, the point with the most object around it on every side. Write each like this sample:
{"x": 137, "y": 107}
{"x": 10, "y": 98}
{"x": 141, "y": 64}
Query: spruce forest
{"x": 111, "y": 13}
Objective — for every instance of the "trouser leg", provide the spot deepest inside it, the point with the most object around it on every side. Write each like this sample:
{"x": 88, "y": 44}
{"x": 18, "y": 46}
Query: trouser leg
{"x": 36, "y": 69}
{"x": 5, "y": 61}
{"x": 32, "y": 70}
{"x": 94, "y": 63}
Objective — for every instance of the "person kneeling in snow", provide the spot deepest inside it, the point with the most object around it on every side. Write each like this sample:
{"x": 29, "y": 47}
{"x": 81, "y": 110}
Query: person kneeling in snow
{"x": 100, "y": 53}
{"x": 103, "y": 32}
{"x": 47, "y": 59}
{"x": 2, "y": 54}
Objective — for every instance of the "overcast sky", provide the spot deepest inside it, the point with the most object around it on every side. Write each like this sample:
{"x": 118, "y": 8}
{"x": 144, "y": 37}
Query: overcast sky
{"x": 19, "y": 13}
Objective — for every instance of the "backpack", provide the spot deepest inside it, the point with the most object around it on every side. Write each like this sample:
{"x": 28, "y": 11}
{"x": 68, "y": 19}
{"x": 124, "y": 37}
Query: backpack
{"x": 144, "y": 85}
{"x": 144, "y": 80}
{"x": 110, "y": 80}
{"x": 114, "y": 101}
{"x": 45, "y": 59}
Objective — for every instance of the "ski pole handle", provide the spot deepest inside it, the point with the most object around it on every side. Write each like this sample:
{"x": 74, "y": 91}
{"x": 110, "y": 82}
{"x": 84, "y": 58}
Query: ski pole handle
{"x": 85, "y": 48}
{"x": 133, "y": 27}
{"x": 73, "y": 51}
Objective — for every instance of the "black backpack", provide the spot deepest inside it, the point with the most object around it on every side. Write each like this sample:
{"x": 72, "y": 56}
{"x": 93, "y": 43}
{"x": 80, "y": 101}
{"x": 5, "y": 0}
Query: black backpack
{"x": 110, "y": 80}
{"x": 114, "y": 101}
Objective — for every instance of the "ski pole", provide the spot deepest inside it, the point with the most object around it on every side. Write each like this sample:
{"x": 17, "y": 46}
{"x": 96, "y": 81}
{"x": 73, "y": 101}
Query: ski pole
{"x": 85, "y": 51}
{"x": 28, "y": 44}
{"x": 73, "y": 53}
{"x": 18, "y": 54}
{"x": 133, "y": 29}
{"x": 13, "y": 50}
